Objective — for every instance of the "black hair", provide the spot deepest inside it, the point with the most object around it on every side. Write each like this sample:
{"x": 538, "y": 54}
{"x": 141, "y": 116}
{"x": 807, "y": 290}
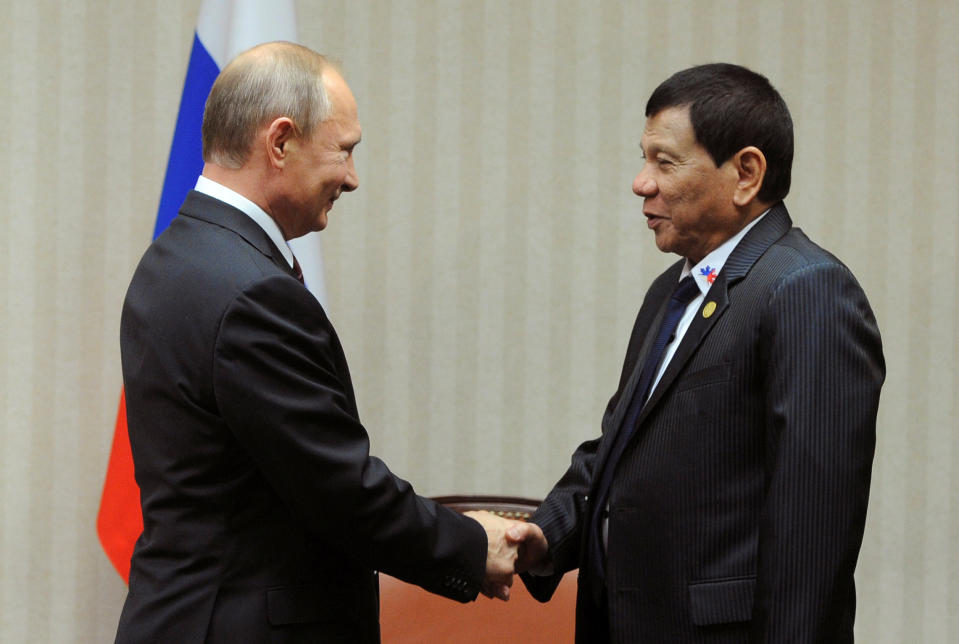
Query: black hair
{"x": 730, "y": 108}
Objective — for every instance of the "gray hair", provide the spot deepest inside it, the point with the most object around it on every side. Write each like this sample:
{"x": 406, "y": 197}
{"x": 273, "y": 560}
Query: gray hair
{"x": 264, "y": 83}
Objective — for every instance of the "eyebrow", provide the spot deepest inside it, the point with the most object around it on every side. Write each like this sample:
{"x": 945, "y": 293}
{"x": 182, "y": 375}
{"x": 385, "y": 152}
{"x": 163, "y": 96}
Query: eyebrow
{"x": 661, "y": 149}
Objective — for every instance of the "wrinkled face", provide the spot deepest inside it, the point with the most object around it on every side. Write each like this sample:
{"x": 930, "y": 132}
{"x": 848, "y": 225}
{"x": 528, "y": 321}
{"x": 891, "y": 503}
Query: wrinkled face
{"x": 320, "y": 169}
{"x": 687, "y": 200}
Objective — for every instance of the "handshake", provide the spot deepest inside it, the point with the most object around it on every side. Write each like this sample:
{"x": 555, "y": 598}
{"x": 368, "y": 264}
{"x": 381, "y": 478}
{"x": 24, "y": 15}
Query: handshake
{"x": 512, "y": 547}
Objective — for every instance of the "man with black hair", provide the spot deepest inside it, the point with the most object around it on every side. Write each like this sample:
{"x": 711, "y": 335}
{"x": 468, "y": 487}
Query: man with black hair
{"x": 726, "y": 497}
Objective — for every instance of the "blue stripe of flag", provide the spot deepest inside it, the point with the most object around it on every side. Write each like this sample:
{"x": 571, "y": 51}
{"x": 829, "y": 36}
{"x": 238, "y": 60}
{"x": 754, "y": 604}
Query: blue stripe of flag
{"x": 186, "y": 152}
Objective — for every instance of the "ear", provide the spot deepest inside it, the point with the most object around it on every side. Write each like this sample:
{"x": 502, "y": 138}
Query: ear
{"x": 750, "y": 165}
{"x": 278, "y": 136}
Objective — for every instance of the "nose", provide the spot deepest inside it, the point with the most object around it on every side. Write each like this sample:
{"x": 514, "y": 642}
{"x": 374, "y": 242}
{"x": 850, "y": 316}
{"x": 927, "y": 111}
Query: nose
{"x": 352, "y": 180}
{"x": 643, "y": 184}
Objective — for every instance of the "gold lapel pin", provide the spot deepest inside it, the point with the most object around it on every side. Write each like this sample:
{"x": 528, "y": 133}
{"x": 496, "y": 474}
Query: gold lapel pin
{"x": 709, "y": 309}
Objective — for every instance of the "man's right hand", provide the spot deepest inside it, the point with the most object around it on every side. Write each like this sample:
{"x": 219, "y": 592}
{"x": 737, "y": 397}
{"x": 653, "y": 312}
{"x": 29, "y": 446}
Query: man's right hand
{"x": 501, "y": 554}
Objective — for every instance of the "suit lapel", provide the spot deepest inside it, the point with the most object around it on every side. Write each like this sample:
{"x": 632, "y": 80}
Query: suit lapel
{"x": 718, "y": 296}
{"x": 671, "y": 277}
{"x": 773, "y": 226}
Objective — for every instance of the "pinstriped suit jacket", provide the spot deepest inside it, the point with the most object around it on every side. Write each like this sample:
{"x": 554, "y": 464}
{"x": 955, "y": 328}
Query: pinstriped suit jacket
{"x": 737, "y": 511}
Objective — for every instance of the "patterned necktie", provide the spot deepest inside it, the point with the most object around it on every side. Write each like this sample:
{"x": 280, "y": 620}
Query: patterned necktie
{"x": 297, "y": 271}
{"x": 686, "y": 291}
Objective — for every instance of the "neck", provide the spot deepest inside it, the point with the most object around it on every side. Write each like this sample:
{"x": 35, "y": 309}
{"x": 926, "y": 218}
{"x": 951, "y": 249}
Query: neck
{"x": 753, "y": 210}
{"x": 247, "y": 183}
{"x": 243, "y": 181}
{"x": 237, "y": 180}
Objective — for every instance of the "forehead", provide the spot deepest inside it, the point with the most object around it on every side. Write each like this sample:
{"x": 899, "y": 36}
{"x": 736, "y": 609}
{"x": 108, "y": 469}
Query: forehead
{"x": 669, "y": 128}
{"x": 344, "y": 119}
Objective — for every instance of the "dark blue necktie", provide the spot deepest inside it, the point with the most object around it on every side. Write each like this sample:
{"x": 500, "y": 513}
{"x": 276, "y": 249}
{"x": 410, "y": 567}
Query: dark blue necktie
{"x": 685, "y": 292}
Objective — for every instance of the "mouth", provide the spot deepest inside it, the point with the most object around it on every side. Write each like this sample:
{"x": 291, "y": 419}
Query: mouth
{"x": 652, "y": 221}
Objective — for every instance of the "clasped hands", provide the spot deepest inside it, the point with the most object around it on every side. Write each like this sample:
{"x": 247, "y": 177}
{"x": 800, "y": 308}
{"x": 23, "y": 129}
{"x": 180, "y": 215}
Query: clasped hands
{"x": 512, "y": 547}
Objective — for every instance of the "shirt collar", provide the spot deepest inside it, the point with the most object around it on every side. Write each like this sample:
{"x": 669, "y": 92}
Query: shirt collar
{"x": 705, "y": 271}
{"x": 219, "y": 191}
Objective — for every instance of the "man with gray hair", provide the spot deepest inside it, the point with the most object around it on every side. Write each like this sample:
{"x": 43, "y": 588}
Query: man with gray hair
{"x": 264, "y": 514}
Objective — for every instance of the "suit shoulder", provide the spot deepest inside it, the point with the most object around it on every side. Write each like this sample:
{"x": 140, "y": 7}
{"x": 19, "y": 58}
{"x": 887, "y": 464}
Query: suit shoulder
{"x": 795, "y": 256}
{"x": 196, "y": 267}
{"x": 201, "y": 255}
{"x": 796, "y": 247}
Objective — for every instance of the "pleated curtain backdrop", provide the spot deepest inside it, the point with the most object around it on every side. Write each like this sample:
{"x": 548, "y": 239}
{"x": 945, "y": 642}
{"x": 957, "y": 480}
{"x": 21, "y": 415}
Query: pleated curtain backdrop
{"x": 485, "y": 276}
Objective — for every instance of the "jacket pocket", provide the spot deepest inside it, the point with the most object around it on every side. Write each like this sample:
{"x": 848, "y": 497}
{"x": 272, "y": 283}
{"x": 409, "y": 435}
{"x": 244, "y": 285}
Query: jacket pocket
{"x": 724, "y": 601}
{"x": 706, "y": 376}
{"x": 310, "y": 603}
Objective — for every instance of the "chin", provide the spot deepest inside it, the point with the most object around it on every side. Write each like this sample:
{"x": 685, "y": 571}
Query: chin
{"x": 663, "y": 245}
{"x": 320, "y": 223}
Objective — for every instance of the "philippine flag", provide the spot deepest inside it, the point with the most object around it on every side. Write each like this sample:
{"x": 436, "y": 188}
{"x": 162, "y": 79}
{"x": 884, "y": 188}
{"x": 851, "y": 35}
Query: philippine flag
{"x": 224, "y": 29}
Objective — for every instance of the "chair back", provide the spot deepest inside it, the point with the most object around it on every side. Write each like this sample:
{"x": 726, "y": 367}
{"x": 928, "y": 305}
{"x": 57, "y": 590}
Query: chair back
{"x": 409, "y": 614}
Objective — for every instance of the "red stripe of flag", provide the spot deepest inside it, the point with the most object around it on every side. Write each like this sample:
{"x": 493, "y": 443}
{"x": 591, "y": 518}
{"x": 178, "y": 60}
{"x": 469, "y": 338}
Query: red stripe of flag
{"x": 118, "y": 526}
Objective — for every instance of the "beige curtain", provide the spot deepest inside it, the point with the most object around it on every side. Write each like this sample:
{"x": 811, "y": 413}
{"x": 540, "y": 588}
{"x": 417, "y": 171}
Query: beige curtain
{"x": 485, "y": 276}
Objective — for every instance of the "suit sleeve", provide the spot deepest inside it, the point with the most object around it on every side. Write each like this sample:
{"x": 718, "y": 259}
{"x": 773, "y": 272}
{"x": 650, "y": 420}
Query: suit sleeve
{"x": 562, "y": 517}
{"x": 563, "y": 514}
{"x": 823, "y": 366}
{"x": 279, "y": 383}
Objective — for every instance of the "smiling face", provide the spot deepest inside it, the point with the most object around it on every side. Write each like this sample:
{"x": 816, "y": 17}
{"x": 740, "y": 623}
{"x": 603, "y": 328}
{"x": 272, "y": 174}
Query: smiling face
{"x": 688, "y": 201}
{"x": 317, "y": 170}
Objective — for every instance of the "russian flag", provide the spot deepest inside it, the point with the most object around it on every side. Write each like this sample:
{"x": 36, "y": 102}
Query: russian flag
{"x": 224, "y": 29}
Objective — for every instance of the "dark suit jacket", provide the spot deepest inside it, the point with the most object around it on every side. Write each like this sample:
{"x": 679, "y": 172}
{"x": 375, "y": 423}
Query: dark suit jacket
{"x": 737, "y": 511}
{"x": 264, "y": 513}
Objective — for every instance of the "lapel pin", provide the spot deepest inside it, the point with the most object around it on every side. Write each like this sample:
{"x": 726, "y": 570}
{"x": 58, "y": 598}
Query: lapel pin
{"x": 709, "y": 309}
